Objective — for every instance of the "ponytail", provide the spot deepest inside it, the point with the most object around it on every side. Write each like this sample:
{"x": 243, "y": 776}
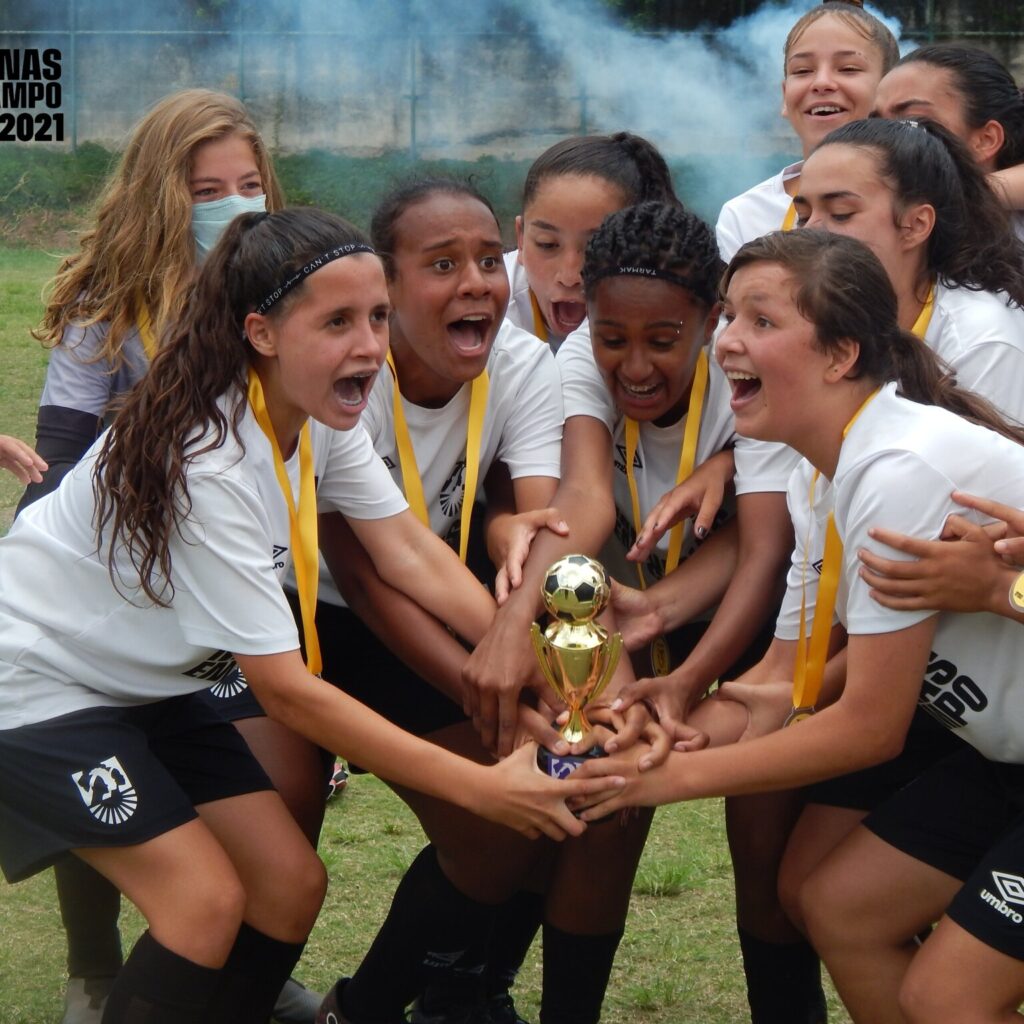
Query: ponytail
{"x": 140, "y": 478}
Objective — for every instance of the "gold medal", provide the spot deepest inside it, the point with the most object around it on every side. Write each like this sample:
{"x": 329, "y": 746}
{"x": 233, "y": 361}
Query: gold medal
{"x": 661, "y": 657}
{"x": 797, "y": 715}
{"x": 1017, "y": 593}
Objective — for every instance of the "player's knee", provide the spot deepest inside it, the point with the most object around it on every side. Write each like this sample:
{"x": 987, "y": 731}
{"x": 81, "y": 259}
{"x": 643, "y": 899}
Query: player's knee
{"x": 818, "y": 903}
{"x": 215, "y": 907}
{"x": 298, "y": 891}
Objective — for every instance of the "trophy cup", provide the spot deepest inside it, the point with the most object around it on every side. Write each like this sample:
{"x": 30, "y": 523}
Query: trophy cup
{"x": 576, "y": 655}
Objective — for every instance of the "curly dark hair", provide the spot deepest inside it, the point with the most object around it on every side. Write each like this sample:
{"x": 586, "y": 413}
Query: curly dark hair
{"x": 656, "y": 236}
{"x": 140, "y": 480}
{"x": 972, "y": 244}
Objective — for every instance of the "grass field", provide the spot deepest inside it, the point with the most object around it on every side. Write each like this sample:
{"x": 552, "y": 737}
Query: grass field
{"x": 678, "y": 963}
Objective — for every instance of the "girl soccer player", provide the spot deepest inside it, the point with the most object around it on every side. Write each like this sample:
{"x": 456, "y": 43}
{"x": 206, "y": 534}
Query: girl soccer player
{"x": 105, "y": 751}
{"x": 192, "y": 163}
{"x": 834, "y": 58}
{"x": 815, "y": 353}
{"x": 968, "y": 92}
{"x": 466, "y": 392}
{"x": 570, "y": 188}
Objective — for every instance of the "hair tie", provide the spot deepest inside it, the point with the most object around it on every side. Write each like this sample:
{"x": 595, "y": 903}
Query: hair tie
{"x": 310, "y": 268}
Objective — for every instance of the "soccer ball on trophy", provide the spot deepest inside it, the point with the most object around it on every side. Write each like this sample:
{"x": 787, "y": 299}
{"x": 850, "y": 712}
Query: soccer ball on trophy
{"x": 576, "y": 588}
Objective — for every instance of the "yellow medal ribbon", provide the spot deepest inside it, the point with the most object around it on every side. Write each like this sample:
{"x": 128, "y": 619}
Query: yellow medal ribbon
{"x": 790, "y": 219}
{"x": 661, "y": 662}
{"x": 924, "y": 318}
{"x": 302, "y": 522}
{"x": 412, "y": 484}
{"x": 145, "y": 325}
{"x": 539, "y": 327}
{"x": 809, "y": 671}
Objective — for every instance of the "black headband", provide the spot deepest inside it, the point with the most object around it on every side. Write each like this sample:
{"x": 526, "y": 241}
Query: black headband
{"x": 661, "y": 275}
{"x": 311, "y": 268}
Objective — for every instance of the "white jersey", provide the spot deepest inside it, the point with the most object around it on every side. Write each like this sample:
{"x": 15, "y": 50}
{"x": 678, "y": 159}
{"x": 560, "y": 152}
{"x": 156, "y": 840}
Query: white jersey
{"x": 656, "y": 460}
{"x": 522, "y": 428}
{"x": 756, "y": 212}
{"x": 982, "y": 338}
{"x": 69, "y": 640}
{"x": 520, "y": 304}
{"x": 899, "y": 465}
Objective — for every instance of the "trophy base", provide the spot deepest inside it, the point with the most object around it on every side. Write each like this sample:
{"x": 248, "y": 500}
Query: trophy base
{"x": 561, "y": 766}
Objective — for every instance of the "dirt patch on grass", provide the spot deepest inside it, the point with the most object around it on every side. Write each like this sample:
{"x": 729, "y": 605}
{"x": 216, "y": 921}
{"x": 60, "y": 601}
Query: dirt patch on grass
{"x": 52, "y": 230}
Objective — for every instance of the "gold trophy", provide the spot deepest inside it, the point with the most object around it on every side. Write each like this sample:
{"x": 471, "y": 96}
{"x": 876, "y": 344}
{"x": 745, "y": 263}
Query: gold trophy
{"x": 576, "y": 655}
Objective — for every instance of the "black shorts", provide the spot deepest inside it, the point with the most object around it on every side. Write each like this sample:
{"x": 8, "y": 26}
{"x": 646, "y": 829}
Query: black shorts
{"x": 927, "y": 743}
{"x": 232, "y": 698}
{"x": 965, "y": 817}
{"x": 114, "y": 777}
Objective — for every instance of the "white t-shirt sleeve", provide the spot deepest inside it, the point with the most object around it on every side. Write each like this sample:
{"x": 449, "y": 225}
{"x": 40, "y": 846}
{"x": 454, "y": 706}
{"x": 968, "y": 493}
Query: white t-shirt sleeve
{"x": 531, "y": 440}
{"x": 227, "y": 594}
{"x": 355, "y": 481}
{"x": 729, "y": 231}
{"x": 994, "y": 370}
{"x": 763, "y": 465}
{"x": 898, "y": 491}
{"x": 799, "y": 577}
{"x": 583, "y": 391}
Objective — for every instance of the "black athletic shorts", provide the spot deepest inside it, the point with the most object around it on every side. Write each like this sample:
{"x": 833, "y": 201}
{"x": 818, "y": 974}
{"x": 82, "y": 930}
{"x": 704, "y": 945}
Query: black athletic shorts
{"x": 114, "y": 777}
{"x": 965, "y": 817}
{"x": 927, "y": 743}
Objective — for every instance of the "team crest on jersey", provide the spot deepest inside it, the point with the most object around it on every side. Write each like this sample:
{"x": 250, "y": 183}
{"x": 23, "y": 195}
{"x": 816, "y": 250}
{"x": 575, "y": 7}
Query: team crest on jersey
{"x": 454, "y": 490}
{"x": 231, "y": 685}
{"x": 620, "y": 458}
{"x": 107, "y": 792}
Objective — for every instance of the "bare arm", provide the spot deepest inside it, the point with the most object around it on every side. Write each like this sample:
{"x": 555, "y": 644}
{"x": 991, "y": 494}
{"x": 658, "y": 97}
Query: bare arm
{"x": 866, "y": 726}
{"x": 21, "y": 460}
{"x": 503, "y": 662}
{"x": 1008, "y": 184}
{"x": 513, "y": 793}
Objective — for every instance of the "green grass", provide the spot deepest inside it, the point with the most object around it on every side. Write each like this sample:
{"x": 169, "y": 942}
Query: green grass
{"x": 678, "y": 962}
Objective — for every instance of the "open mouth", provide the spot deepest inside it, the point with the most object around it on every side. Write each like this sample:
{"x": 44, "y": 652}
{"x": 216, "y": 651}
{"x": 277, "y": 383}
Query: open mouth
{"x": 353, "y": 391}
{"x": 567, "y": 316}
{"x": 639, "y": 394}
{"x": 825, "y": 110}
{"x": 470, "y": 334}
{"x": 744, "y": 385}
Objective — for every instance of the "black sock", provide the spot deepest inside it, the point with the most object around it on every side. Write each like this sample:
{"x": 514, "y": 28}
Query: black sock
{"x": 431, "y": 925}
{"x": 576, "y": 971}
{"x": 89, "y": 908}
{"x": 783, "y": 981}
{"x": 156, "y": 986}
{"x": 515, "y": 928}
{"x": 251, "y": 980}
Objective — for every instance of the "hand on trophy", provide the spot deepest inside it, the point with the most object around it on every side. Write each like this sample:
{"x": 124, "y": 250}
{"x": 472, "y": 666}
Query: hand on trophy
{"x": 509, "y": 537}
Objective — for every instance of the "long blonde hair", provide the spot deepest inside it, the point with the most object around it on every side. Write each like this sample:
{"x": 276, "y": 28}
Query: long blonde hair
{"x": 141, "y": 250}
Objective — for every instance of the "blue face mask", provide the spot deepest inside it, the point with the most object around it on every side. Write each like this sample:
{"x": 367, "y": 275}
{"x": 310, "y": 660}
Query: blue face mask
{"x": 210, "y": 219}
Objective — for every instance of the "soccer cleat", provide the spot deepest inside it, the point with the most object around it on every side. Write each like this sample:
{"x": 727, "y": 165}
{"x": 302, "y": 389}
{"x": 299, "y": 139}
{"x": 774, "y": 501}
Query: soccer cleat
{"x": 451, "y": 1014}
{"x": 338, "y": 781}
{"x": 85, "y": 999}
{"x": 501, "y": 1010}
{"x": 296, "y": 1004}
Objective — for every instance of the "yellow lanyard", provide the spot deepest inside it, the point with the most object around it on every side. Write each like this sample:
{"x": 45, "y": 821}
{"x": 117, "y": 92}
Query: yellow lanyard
{"x": 145, "y": 325}
{"x": 302, "y": 522}
{"x": 412, "y": 484}
{"x": 925, "y": 316}
{"x": 790, "y": 219}
{"x": 809, "y": 671}
{"x": 687, "y": 457}
{"x": 539, "y": 327}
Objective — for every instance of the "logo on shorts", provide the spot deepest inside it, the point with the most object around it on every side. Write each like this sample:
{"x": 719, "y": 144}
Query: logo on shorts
{"x": 107, "y": 791}
{"x": 231, "y": 685}
{"x": 1011, "y": 891}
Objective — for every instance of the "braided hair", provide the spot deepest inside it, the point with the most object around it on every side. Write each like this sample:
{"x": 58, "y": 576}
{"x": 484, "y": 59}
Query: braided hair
{"x": 629, "y": 162}
{"x": 660, "y": 237}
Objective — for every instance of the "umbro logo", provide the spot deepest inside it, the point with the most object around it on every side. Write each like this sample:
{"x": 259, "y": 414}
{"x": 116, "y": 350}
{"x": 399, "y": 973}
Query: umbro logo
{"x": 1011, "y": 893}
{"x": 387, "y": 462}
